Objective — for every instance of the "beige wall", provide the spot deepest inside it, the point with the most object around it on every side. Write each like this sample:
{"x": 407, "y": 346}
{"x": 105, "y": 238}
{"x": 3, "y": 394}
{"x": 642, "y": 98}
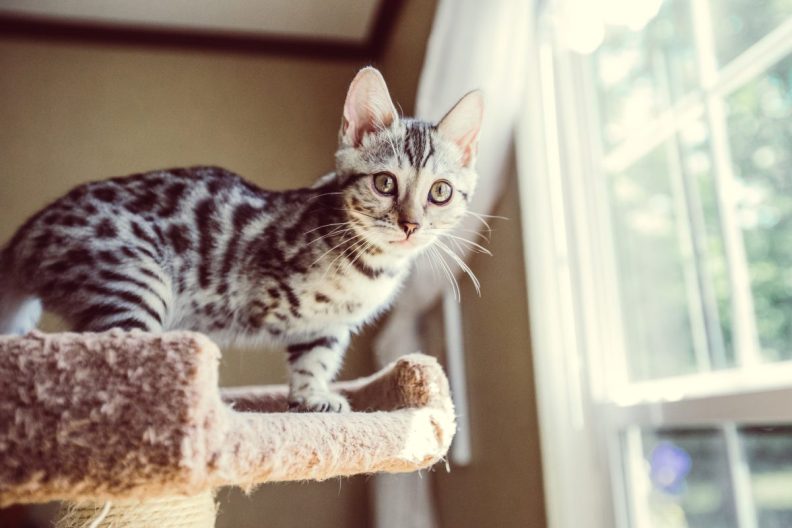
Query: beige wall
{"x": 502, "y": 487}
{"x": 503, "y": 484}
{"x": 71, "y": 113}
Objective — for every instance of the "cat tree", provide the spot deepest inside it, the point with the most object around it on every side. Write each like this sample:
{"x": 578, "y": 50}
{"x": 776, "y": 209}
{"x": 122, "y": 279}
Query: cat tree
{"x": 132, "y": 429}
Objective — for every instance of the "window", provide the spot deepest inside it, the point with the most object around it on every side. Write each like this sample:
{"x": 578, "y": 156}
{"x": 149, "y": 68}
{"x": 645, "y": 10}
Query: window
{"x": 657, "y": 190}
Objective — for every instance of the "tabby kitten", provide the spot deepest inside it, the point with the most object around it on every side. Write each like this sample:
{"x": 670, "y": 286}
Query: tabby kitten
{"x": 202, "y": 249}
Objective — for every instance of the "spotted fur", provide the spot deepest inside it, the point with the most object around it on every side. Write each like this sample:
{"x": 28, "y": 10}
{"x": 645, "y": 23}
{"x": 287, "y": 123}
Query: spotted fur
{"x": 203, "y": 249}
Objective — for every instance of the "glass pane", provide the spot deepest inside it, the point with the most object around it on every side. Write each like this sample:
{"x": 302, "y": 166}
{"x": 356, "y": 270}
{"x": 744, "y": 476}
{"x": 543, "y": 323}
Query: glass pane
{"x": 697, "y": 171}
{"x": 686, "y": 480}
{"x": 768, "y": 451}
{"x": 673, "y": 272}
{"x": 760, "y": 130}
{"x": 639, "y": 73}
{"x": 740, "y": 23}
{"x": 653, "y": 280}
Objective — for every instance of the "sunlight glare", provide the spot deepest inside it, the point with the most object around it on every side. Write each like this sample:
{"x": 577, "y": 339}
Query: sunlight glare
{"x": 581, "y": 23}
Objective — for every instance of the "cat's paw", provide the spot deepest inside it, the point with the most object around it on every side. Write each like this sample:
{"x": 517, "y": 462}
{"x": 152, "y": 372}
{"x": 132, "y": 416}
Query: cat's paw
{"x": 318, "y": 402}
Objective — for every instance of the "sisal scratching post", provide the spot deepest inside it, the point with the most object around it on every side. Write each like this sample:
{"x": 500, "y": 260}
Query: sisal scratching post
{"x": 131, "y": 427}
{"x": 198, "y": 511}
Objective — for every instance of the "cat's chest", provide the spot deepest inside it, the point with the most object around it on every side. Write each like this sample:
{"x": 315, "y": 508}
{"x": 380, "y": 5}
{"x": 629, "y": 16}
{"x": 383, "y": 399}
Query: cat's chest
{"x": 350, "y": 302}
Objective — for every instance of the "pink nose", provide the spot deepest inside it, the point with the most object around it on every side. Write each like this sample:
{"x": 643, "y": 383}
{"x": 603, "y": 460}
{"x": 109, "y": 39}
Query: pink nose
{"x": 409, "y": 227}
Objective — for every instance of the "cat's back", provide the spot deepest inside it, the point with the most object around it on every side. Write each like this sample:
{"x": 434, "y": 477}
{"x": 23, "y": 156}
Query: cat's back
{"x": 152, "y": 216}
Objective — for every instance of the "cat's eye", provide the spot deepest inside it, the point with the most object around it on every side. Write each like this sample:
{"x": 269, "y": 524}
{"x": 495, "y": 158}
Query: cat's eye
{"x": 440, "y": 192}
{"x": 385, "y": 183}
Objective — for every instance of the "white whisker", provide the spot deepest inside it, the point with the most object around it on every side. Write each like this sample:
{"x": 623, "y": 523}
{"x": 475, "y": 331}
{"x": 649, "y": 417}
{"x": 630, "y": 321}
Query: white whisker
{"x": 448, "y": 273}
{"x": 324, "y": 194}
{"x": 321, "y": 226}
{"x": 360, "y": 251}
{"x": 461, "y": 263}
{"x": 488, "y": 216}
{"x": 427, "y": 256}
{"x": 481, "y": 218}
{"x": 474, "y": 232}
{"x": 349, "y": 239}
{"x": 351, "y": 249}
{"x": 337, "y": 231}
{"x": 477, "y": 248}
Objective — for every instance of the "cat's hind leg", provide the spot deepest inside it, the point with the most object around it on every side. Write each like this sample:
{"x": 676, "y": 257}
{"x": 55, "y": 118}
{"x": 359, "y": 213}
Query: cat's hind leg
{"x": 124, "y": 300}
{"x": 19, "y": 313}
{"x": 313, "y": 363}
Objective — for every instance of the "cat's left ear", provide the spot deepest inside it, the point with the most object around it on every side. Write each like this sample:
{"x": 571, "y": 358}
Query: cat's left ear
{"x": 368, "y": 107}
{"x": 462, "y": 125}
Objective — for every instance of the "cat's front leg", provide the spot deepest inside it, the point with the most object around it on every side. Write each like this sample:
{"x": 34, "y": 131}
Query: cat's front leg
{"x": 313, "y": 363}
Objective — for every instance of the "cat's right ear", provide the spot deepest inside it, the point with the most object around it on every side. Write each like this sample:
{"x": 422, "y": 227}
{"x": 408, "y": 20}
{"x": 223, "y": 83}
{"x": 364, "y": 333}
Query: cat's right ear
{"x": 368, "y": 107}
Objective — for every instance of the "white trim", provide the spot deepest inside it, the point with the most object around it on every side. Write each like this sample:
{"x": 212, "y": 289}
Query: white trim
{"x": 746, "y": 408}
{"x": 621, "y": 489}
{"x": 607, "y": 360}
{"x": 741, "y": 478}
{"x": 570, "y": 452}
{"x": 746, "y": 341}
{"x": 753, "y": 62}
{"x": 640, "y": 490}
{"x": 746, "y": 404}
{"x": 767, "y": 376}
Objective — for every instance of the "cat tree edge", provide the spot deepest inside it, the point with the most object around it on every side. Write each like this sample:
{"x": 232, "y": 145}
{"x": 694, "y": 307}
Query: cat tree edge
{"x": 135, "y": 415}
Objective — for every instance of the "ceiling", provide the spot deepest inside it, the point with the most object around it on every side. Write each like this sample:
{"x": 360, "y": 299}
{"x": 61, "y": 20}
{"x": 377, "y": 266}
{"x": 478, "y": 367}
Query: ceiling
{"x": 345, "y": 20}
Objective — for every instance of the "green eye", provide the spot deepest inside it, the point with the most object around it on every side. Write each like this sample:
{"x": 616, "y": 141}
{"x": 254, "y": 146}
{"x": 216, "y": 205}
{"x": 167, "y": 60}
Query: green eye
{"x": 385, "y": 183}
{"x": 440, "y": 192}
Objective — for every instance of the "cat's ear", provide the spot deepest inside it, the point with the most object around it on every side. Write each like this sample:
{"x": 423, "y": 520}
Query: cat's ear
{"x": 462, "y": 125}
{"x": 368, "y": 107}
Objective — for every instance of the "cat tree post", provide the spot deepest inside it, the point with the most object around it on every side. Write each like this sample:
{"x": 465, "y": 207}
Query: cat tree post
{"x": 198, "y": 511}
{"x": 116, "y": 418}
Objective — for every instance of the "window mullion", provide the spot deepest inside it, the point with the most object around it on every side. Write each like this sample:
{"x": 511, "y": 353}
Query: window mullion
{"x": 741, "y": 478}
{"x": 608, "y": 359}
{"x": 715, "y": 352}
{"x": 564, "y": 410}
{"x": 620, "y": 477}
{"x": 638, "y": 484}
{"x": 753, "y": 407}
{"x": 656, "y": 132}
{"x": 686, "y": 231}
{"x": 746, "y": 340}
{"x": 754, "y": 61}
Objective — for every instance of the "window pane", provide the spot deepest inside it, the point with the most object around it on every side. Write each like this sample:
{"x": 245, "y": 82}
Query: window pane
{"x": 698, "y": 176}
{"x": 768, "y": 451}
{"x": 760, "y": 129}
{"x": 686, "y": 479}
{"x": 740, "y": 23}
{"x": 639, "y": 73}
{"x": 653, "y": 281}
{"x": 673, "y": 273}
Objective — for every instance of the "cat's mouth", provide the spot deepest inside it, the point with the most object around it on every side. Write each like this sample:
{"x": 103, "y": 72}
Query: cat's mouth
{"x": 405, "y": 242}
{"x": 411, "y": 242}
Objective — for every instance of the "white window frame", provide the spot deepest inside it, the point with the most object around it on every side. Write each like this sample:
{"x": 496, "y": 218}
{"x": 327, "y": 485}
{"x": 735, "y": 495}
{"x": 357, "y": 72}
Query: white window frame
{"x": 585, "y": 399}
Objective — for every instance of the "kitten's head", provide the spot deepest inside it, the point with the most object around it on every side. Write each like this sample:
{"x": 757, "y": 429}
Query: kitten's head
{"x": 404, "y": 181}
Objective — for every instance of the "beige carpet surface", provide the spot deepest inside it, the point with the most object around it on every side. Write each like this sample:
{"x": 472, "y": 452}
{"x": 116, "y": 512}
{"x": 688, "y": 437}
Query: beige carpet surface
{"x": 135, "y": 415}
